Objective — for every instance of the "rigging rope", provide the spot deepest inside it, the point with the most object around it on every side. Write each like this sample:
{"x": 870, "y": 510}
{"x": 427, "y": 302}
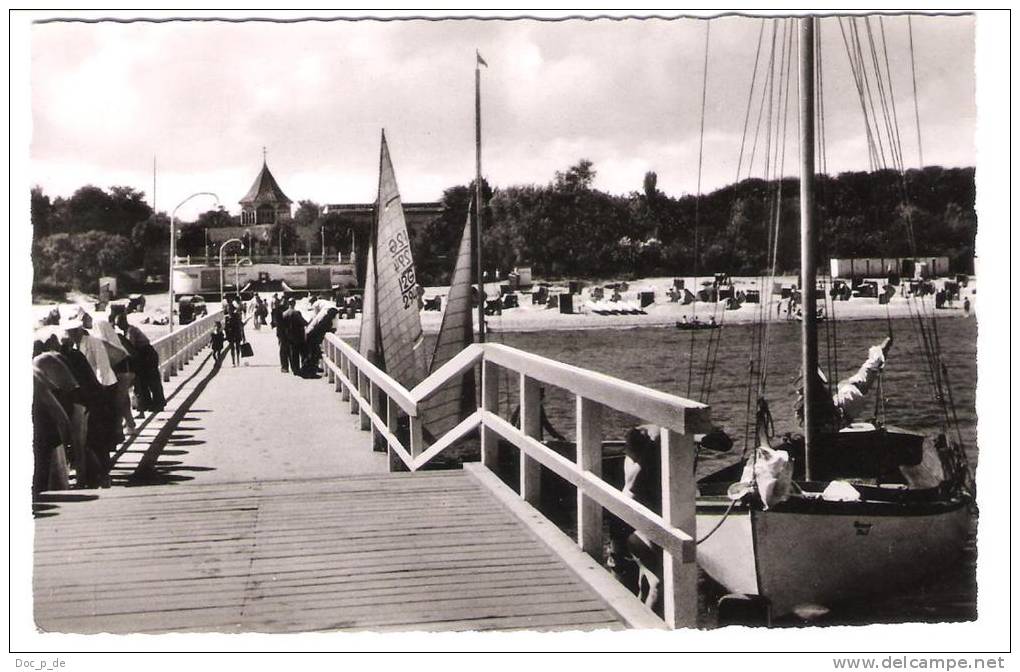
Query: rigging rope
{"x": 922, "y": 320}
{"x": 750, "y": 96}
{"x": 697, "y": 205}
{"x": 913, "y": 77}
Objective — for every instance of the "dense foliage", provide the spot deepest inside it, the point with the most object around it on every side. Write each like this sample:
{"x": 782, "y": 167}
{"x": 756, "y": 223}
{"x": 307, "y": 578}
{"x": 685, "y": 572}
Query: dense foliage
{"x": 567, "y": 228}
{"x": 563, "y": 228}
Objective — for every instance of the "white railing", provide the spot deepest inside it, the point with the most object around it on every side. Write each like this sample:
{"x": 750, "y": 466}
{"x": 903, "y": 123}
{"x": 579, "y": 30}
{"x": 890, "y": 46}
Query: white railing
{"x": 304, "y": 258}
{"x": 381, "y": 402}
{"x": 178, "y": 348}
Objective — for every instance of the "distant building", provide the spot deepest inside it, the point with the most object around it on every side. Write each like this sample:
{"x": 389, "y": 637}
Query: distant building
{"x": 362, "y": 215}
{"x": 342, "y": 224}
{"x": 265, "y": 202}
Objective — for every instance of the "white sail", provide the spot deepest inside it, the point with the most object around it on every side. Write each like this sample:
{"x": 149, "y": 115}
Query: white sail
{"x": 455, "y": 400}
{"x": 396, "y": 285}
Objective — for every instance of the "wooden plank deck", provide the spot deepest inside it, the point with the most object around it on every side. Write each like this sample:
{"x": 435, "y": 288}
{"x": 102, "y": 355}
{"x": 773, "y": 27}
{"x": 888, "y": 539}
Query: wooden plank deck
{"x": 427, "y": 551}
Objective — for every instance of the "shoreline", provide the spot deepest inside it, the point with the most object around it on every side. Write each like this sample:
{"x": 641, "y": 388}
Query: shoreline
{"x": 662, "y": 313}
{"x": 529, "y": 320}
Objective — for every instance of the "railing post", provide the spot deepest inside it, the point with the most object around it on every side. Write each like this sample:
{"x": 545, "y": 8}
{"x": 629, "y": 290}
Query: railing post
{"x": 164, "y": 361}
{"x": 680, "y": 580}
{"x": 490, "y": 402}
{"x": 417, "y": 437}
{"x": 345, "y": 368}
{"x": 589, "y": 458}
{"x": 364, "y": 392}
{"x": 378, "y": 410}
{"x": 331, "y": 359}
{"x": 531, "y": 425}
{"x": 354, "y": 376}
{"x": 392, "y": 423}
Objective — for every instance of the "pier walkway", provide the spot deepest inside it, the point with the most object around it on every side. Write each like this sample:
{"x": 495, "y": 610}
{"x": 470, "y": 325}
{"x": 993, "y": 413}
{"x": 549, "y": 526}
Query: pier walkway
{"x": 255, "y": 502}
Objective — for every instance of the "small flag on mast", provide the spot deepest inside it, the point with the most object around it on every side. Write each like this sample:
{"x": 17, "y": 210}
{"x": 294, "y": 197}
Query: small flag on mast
{"x": 481, "y": 61}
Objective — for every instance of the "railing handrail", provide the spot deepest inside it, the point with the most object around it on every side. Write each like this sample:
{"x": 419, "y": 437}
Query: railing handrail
{"x": 661, "y": 408}
{"x": 177, "y": 347}
{"x": 461, "y": 362}
{"x": 197, "y": 325}
{"x": 286, "y": 260}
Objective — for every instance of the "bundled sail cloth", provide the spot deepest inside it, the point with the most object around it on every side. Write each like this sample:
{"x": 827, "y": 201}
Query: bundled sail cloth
{"x": 455, "y": 400}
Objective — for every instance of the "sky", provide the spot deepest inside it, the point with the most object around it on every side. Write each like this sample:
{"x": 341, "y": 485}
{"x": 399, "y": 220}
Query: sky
{"x": 204, "y": 98}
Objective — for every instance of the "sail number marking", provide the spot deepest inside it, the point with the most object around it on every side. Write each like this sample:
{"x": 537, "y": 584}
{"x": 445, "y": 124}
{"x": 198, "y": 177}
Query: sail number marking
{"x": 400, "y": 254}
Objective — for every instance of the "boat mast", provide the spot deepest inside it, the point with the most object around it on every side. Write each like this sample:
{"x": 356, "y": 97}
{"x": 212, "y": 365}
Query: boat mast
{"x": 478, "y": 197}
{"x": 808, "y": 242}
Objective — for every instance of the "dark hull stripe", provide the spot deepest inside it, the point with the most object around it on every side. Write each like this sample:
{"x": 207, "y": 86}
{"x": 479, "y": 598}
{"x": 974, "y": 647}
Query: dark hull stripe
{"x": 819, "y": 507}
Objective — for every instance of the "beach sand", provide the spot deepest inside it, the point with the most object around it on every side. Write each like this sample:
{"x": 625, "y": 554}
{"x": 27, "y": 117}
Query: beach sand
{"x": 662, "y": 313}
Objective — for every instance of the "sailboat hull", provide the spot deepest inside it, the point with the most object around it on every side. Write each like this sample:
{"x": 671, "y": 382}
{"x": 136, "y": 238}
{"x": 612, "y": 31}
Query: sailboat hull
{"x": 813, "y": 552}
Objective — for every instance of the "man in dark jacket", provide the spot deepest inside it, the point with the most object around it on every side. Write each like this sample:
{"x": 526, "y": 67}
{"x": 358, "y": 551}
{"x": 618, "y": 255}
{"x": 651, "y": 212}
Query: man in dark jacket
{"x": 294, "y": 325}
{"x": 279, "y": 307}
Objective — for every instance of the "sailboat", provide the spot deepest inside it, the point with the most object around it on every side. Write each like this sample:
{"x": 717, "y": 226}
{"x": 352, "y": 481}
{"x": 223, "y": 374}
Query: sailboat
{"x": 843, "y": 515}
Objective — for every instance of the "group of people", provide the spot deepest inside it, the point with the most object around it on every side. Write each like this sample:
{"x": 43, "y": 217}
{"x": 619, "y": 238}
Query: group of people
{"x": 90, "y": 377}
{"x": 300, "y": 338}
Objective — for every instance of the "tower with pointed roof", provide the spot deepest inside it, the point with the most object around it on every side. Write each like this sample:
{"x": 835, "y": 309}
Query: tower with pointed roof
{"x": 265, "y": 202}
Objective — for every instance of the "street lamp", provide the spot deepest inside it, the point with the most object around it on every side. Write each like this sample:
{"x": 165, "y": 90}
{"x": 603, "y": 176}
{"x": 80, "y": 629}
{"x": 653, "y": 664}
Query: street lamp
{"x": 173, "y": 248}
{"x": 225, "y": 243}
{"x": 243, "y": 261}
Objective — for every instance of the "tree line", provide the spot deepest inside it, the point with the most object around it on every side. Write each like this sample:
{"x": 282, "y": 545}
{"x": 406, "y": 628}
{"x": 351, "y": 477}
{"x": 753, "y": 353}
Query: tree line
{"x": 564, "y": 228}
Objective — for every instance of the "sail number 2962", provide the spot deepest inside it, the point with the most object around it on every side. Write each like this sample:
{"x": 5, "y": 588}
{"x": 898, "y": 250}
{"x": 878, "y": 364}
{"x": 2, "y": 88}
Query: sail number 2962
{"x": 400, "y": 254}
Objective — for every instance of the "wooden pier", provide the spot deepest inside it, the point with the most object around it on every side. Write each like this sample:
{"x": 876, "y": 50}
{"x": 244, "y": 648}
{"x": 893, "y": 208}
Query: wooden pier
{"x": 255, "y": 503}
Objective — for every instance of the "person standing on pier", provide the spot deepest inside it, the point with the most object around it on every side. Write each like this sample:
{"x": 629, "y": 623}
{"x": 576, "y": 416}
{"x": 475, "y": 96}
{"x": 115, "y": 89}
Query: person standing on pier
{"x": 261, "y": 310}
{"x": 148, "y": 380}
{"x": 233, "y": 326}
{"x": 86, "y": 357}
{"x": 216, "y": 342}
{"x": 294, "y": 333}
{"x": 277, "y": 322}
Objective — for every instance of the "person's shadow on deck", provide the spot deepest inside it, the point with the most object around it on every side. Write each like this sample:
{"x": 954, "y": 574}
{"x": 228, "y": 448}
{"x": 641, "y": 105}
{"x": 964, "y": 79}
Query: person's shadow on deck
{"x": 174, "y": 439}
{"x": 48, "y": 504}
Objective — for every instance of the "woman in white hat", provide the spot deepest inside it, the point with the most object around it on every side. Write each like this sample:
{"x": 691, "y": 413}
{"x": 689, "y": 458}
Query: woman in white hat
{"x": 120, "y": 361}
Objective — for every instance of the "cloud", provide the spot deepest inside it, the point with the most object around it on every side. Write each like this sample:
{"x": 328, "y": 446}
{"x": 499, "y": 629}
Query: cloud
{"x": 206, "y": 97}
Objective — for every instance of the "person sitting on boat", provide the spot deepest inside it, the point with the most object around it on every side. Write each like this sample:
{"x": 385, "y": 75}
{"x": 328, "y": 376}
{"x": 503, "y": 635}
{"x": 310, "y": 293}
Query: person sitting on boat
{"x": 851, "y": 394}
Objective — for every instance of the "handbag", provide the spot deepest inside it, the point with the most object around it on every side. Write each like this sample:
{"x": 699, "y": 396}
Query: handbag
{"x": 246, "y": 350}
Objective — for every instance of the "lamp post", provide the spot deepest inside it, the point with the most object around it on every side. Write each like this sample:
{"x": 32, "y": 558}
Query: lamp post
{"x": 243, "y": 261}
{"x": 322, "y": 232}
{"x": 225, "y": 243}
{"x": 173, "y": 249}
